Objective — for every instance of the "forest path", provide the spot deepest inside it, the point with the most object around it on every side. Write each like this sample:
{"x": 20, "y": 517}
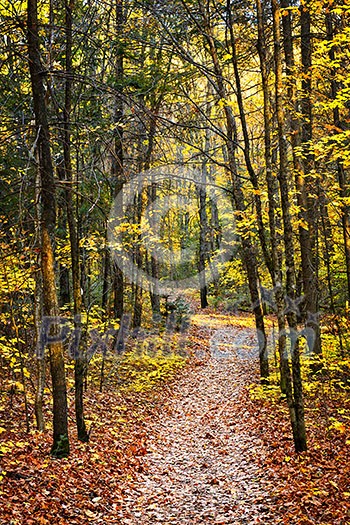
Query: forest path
{"x": 202, "y": 461}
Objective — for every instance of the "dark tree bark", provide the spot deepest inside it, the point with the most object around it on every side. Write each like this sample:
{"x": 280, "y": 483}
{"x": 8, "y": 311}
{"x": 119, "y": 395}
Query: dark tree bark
{"x": 142, "y": 164}
{"x": 203, "y": 225}
{"x": 64, "y": 295}
{"x": 272, "y": 190}
{"x": 147, "y": 137}
{"x": 341, "y": 171}
{"x": 106, "y": 276}
{"x": 300, "y": 135}
{"x": 152, "y": 195}
{"x": 137, "y": 313}
{"x": 247, "y": 149}
{"x": 203, "y": 233}
{"x": 295, "y": 398}
{"x": 154, "y": 289}
{"x": 60, "y": 447}
{"x": 117, "y": 170}
{"x": 308, "y": 238}
{"x": 38, "y": 296}
{"x": 79, "y": 360}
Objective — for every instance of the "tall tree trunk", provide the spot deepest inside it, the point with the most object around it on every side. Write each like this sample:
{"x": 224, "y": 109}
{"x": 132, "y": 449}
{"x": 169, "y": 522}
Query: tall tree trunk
{"x": 152, "y": 195}
{"x": 105, "y": 286}
{"x": 154, "y": 288}
{"x": 295, "y": 401}
{"x": 308, "y": 240}
{"x": 272, "y": 190}
{"x": 60, "y": 447}
{"x": 64, "y": 296}
{"x": 79, "y": 359}
{"x": 247, "y": 149}
{"x": 137, "y": 314}
{"x": 117, "y": 171}
{"x": 142, "y": 165}
{"x": 203, "y": 227}
{"x": 303, "y": 182}
{"x": 341, "y": 172}
{"x": 38, "y": 294}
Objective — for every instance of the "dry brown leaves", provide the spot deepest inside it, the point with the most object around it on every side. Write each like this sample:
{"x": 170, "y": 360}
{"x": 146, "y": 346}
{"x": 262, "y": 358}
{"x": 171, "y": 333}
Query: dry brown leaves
{"x": 196, "y": 451}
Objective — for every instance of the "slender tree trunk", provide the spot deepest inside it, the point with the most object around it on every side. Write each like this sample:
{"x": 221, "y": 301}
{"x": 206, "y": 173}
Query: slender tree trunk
{"x": 38, "y": 294}
{"x": 117, "y": 171}
{"x": 247, "y": 149}
{"x": 106, "y": 276}
{"x": 271, "y": 256}
{"x": 64, "y": 296}
{"x": 296, "y": 405}
{"x": 154, "y": 289}
{"x": 152, "y": 195}
{"x": 203, "y": 225}
{"x": 215, "y": 235}
{"x": 302, "y": 135}
{"x": 203, "y": 228}
{"x": 41, "y": 363}
{"x": 38, "y": 307}
{"x": 137, "y": 314}
{"x": 143, "y": 162}
{"x": 60, "y": 447}
{"x": 79, "y": 358}
{"x": 272, "y": 190}
{"x": 105, "y": 293}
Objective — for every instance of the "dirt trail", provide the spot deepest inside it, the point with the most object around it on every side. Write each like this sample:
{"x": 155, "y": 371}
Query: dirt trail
{"x": 201, "y": 465}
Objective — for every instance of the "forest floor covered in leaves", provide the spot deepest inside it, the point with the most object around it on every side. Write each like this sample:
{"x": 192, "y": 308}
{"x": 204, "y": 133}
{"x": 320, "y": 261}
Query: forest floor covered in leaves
{"x": 202, "y": 448}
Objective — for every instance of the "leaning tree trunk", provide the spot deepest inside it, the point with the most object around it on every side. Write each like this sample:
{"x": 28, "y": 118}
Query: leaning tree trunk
{"x": 247, "y": 153}
{"x": 60, "y": 447}
{"x": 248, "y": 251}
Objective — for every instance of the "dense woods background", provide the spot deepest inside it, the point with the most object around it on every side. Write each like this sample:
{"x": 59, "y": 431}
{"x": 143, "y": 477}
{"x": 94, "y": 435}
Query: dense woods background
{"x": 217, "y": 132}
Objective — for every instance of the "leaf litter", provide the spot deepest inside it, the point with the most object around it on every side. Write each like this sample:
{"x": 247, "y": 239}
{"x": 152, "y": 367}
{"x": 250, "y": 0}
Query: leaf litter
{"x": 197, "y": 449}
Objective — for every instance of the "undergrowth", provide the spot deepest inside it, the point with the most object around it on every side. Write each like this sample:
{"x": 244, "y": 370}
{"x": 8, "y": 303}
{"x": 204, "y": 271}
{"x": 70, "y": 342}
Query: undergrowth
{"x": 142, "y": 372}
{"x": 326, "y": 387}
